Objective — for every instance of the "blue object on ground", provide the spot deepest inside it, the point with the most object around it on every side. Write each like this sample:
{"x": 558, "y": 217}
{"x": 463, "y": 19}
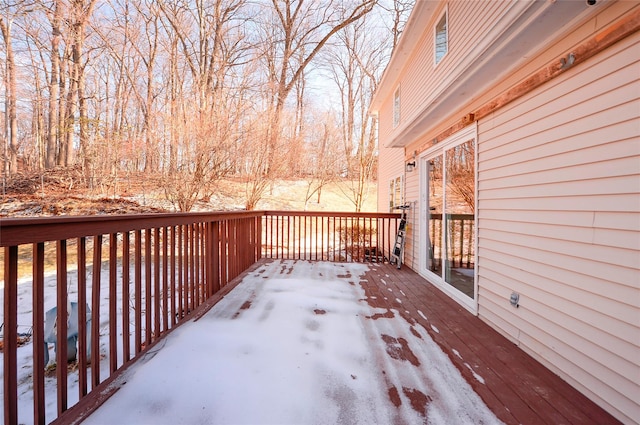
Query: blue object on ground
{"x": 50, "y": 334}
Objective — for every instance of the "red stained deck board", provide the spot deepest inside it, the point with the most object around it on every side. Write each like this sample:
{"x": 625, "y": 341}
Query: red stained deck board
{"x": 517, "y": 388}
{"x": 507, "y": 405}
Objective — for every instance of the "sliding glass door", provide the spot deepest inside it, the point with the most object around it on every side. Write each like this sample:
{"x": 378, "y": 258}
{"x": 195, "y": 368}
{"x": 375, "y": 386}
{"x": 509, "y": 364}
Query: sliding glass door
{"x": 449, "y": 186}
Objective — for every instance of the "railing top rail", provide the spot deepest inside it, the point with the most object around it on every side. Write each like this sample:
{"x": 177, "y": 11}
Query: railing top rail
{"x": 17, "y": 231}
{"x": 25, "y": 230}
{"x": 342, "y": 214}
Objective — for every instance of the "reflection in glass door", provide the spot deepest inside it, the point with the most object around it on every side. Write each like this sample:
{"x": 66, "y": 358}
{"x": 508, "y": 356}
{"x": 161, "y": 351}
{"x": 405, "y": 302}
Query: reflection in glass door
{"x": 434, "y": 211}
{"x": 459, "y": 217}
{"x": 451, "y": 215}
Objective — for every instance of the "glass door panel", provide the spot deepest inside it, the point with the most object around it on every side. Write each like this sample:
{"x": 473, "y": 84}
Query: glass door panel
{"x": 458, "y": 220}
{"x": 434, "y": 213}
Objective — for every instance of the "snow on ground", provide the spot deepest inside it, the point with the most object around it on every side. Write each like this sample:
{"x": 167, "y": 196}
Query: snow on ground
{"x": 295, "y": 343}
{"x": 25, "y": 352}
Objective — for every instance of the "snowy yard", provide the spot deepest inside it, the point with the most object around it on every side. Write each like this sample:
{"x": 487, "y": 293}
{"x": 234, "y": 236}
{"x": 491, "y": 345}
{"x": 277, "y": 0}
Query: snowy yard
{"x": 25, "y": 352}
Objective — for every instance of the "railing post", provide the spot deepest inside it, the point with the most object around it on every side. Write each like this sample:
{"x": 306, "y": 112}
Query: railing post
{"x": 82, "y": 317}
{"x": 165, "y": 279}
{"x": 113, "y": 308}
{"x": 224, "y": 251}
{"x": 126, "y": 344}
{"x": 195, "y": 278}
{"x": 215, "y": 246}
{"x": 147, "y": 287}
{"x": 179, "y": 272}
{"x": 208, "y": 260}
{"x": 39, "y": 416}
{"x": 10, "y": 335}
{"x": 156, "y": 283}
{"x": 138, "y": 293}
{"x": 95, "y": 312}
{"x": 258, "y": 237}
{"x": 61, "y": 321}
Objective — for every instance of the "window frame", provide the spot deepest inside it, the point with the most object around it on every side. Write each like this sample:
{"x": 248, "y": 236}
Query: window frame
{"x": 396, "y": 192}
{"x": 396, "y": 107}
{"x": 456, "y": 139}
{"x": 444, "y": 16}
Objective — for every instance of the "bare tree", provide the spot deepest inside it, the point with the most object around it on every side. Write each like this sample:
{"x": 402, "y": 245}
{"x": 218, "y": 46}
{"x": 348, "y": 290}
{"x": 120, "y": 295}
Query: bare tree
{"x": 292, "y": 36}
{"x": 190, "y": 91}
{"x": 66, "y": 79}
{"x": 255, "y": 154}
{"x": 53, "y": 126}
{"x": 11, "y": 122}
{"x": 212, "y": 42}
{"x": 81, "y": 12}
{"x": 356, "y": 66}
{"x": 150, "y": 15}
{"x": 10, "y": 100}
{"x": 323, "y": 156}
{"x": 399, "y": 11}
{"x": 35, "y": 153}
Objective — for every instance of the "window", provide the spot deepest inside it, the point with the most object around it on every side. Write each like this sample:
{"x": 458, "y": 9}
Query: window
{"x": 395, "y": 193}
{"x": 396, "y": 108}
{"x": 441, "y": 38}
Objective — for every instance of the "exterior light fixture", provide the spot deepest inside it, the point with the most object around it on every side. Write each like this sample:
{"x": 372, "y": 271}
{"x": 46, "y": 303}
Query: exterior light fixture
{"x": 410, "y": 166}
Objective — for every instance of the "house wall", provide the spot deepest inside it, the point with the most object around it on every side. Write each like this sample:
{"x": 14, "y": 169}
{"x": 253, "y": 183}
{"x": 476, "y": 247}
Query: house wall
{"x": 551, "y": 49}
{"x": 412, "y": 192}
{"x": 559, "y": 198}
{"x": 390, "y": 166}
{"x": 422, "y": 81}
{"x": 559, "y": 223}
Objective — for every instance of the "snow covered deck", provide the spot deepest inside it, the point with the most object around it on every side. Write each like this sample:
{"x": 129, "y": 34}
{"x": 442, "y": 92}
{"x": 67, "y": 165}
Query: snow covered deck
{"x": 318, "y": 342}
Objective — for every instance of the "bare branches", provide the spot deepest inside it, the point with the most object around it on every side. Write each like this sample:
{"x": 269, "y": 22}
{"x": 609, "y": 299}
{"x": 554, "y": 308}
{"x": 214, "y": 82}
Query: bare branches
{"x": 191, "y": 91}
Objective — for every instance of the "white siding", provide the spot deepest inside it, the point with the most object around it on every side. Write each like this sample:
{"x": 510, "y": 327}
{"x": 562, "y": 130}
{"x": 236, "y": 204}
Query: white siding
{"x": 390, "y": 166}
{"x": 559, "y": 223}
{"x": 412, "y": 186}
{"x": 422, "y": 79}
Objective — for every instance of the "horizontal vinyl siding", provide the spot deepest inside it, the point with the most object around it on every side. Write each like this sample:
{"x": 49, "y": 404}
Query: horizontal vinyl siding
{"x": 561, "y": 347}
{"x": 390, "y": 166}
{"x": 422, "y": 78}
{"x": 385, "y": 121}
{"x": 559, "y": 223}
{"x": 411, "y": 251}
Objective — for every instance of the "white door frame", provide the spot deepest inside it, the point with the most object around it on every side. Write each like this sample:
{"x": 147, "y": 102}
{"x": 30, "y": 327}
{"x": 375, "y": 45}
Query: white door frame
{"x": 471, "y": 304}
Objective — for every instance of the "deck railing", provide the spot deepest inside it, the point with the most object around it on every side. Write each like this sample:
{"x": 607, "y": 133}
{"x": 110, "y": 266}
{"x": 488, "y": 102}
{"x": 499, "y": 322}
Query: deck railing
{"x": 339, "y": 237}
{"x": 132, "y": 278}
{"x": 128, "y": 280}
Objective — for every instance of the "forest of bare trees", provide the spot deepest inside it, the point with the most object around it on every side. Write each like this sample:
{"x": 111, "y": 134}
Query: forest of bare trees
{"x": 192, "y": 91}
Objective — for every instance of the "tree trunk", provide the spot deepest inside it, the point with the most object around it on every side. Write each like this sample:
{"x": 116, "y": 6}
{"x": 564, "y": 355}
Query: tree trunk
{"x": 62, "y": 129}
{"x": 82, "y": 14}
{"x": 84, "y": 120}
{"x": 10, "y": 100}
{"x": 54, "y": 90}
{"x": 69, "y": 121}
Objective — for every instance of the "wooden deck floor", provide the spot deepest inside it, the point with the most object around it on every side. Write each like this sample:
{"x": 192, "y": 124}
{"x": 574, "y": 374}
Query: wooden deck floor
{"x": 517, "y": 388}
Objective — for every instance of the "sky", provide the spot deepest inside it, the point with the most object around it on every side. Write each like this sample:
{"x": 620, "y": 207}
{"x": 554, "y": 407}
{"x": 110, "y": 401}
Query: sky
{"x": 295, "y": 345}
